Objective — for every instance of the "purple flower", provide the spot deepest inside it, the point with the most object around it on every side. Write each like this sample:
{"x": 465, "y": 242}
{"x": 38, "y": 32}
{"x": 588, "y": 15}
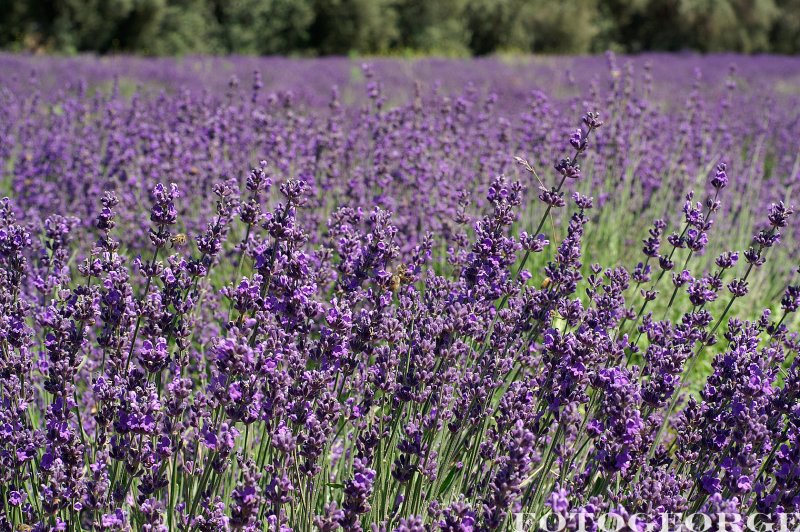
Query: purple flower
{"x": 791, "y": 299}
{"x": 720, "y": 179}
{"x": 558, "y": 501}
{"x": 16, "y": 498}
{"x": 114, "y": 521}
{"x": 577, "y": 140}
{"x": 163, "y": 211}
{"x": 154, "y": 356}
{"x": 710, "y": 483}
{"x": 379, "y": 325}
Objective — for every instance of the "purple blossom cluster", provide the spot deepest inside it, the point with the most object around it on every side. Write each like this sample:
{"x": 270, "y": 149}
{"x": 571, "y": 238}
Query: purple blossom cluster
{"x": 244, "y": 309}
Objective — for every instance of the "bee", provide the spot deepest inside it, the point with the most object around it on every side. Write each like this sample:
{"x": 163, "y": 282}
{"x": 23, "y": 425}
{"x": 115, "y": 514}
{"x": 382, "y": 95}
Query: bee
{"x": 179, "y": 240}
{"x": 394, "y": 283}
{"x": 400, "y": 277}
{"x": 546, "y": 283}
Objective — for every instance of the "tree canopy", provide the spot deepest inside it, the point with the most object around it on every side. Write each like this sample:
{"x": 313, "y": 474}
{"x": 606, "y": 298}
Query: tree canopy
{"x": 451, "y": 27}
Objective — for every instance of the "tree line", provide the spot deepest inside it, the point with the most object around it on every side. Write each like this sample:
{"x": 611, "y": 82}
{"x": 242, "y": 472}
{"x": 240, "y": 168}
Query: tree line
{"x": 448, "y": 27}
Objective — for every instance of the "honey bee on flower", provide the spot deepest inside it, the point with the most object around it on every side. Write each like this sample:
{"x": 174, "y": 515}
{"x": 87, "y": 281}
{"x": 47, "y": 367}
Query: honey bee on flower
{"x": 399, "y": 277}
{"x": 179, "y": 240}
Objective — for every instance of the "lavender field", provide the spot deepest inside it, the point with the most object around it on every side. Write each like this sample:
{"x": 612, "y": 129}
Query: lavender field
{"x": 428, "y": 295}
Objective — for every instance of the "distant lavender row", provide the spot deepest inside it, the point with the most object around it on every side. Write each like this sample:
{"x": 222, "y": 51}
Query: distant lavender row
{"x": 511, "y": 78}
{"x": 674, "y": 118}
{"x": 428, "y": 298}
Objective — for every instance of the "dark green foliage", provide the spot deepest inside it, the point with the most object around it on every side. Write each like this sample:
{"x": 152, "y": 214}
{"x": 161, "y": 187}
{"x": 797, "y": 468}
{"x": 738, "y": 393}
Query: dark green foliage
{"x": 185, "y": 26}
{"x": 785, "y": 36}
{"x": 453, "y": 27}
{"x": 14, "y": 16}
{"x": 440, "y": 27}
{"x": 264, "y": 27}
{"x": 342, "y": 26}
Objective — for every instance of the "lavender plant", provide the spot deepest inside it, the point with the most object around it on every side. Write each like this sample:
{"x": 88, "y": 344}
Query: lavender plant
{"x": 413, "y": 314}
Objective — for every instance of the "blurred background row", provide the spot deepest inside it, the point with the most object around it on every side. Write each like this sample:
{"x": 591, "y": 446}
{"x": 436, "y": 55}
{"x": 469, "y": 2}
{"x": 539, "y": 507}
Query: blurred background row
{"x": 397, "y": 27}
